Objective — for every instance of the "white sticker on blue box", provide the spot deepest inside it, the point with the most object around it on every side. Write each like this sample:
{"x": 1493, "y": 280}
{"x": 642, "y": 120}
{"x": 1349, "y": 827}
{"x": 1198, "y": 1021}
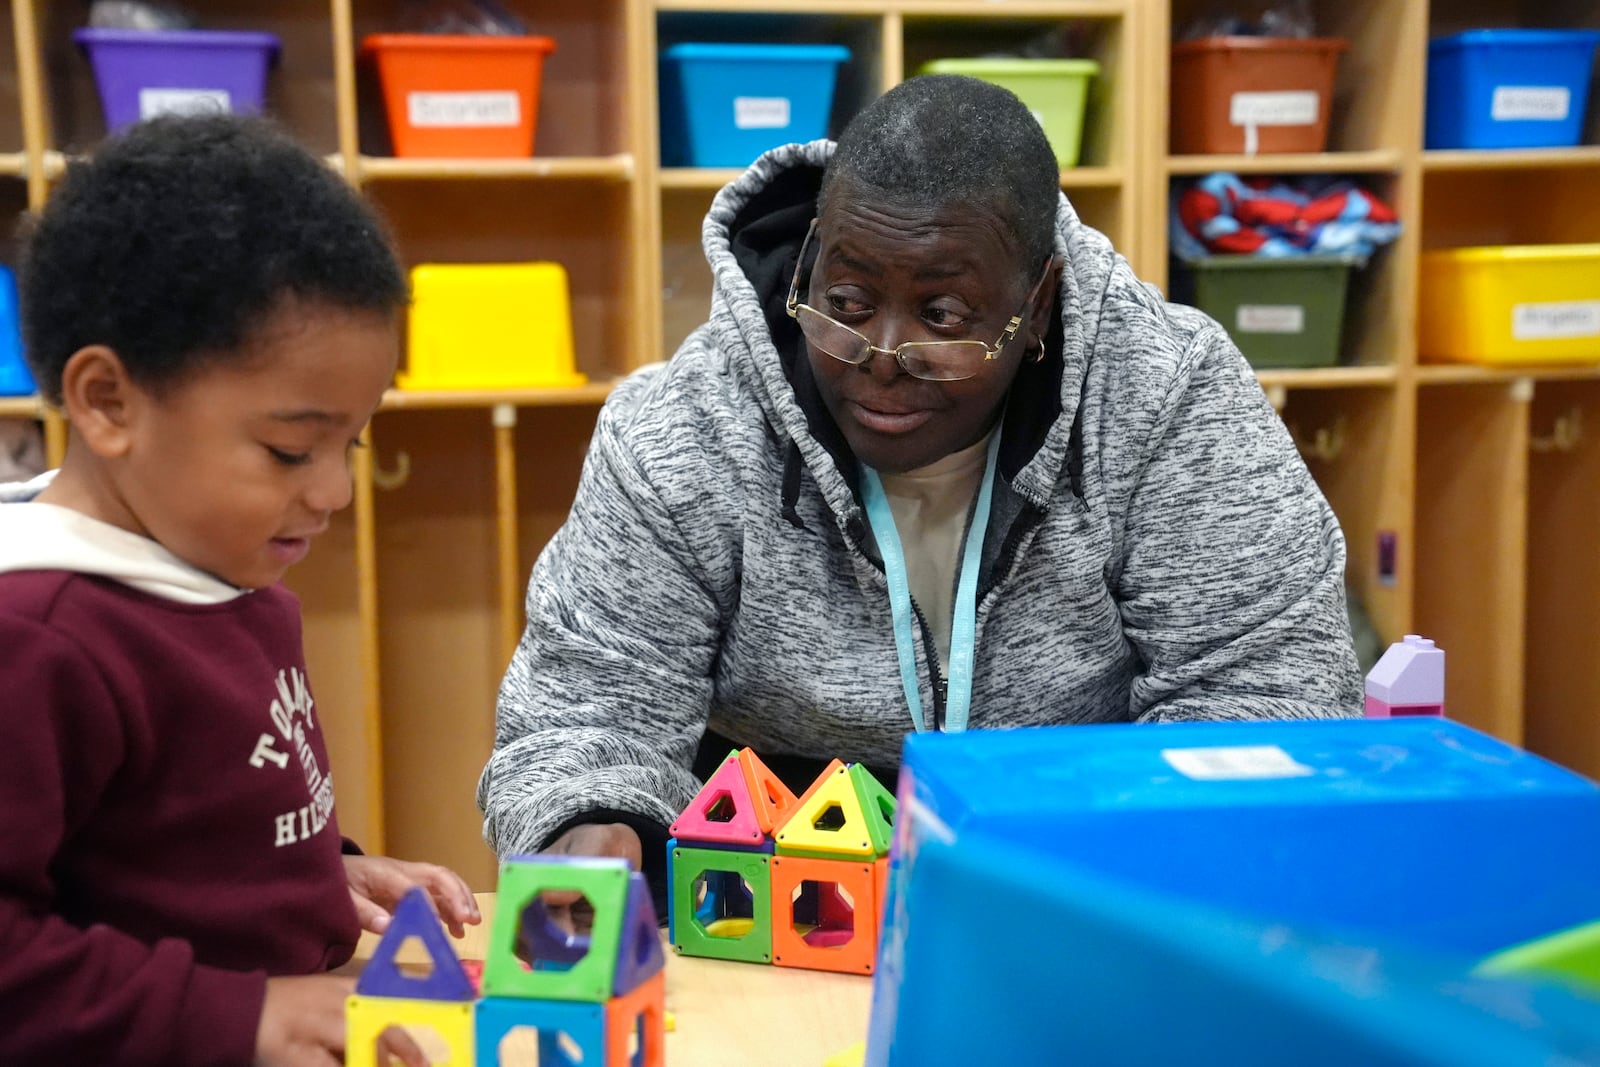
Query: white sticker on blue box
{"x": 760, "y": 112}
{"x": 1530, "y": 103}
{"x": 1229, "y": 763}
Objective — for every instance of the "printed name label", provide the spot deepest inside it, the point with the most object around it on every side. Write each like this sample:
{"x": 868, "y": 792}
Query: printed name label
{"x": 464, "y": 110}
{"x": 153, "y": 102}
{"x": 1235, "y": 763}
{"x": 1530, "y": 103}
{"x": 1270, "y": 318}
{"x": 1274, "y": 109}
{"x": 1542, "y": 322}
{"x": 761, "y": 112}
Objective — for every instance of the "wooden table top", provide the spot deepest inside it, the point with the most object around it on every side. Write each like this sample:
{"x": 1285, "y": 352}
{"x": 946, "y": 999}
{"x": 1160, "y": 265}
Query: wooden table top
{"x": 727, "y": 1014}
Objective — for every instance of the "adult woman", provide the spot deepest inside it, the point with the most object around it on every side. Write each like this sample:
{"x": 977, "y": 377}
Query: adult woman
{"x": 771, "y": 539}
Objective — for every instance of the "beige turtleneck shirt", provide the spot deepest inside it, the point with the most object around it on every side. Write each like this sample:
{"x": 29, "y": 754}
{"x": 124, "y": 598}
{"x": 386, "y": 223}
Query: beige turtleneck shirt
{"x": 930, "y": 507}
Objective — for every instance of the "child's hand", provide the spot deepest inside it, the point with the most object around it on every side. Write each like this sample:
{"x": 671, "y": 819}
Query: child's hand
{"x": 377, "y": 883}
{"x": 302, "y": 1022}
{"x": 303, "y": 1025}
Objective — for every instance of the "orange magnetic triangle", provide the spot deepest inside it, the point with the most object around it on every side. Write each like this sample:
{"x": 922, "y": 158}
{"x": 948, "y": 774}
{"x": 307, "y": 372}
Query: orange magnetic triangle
{"x": 772, "y": 798}
{"x": 828, "y": 820}
{"x": 723, "y": 812}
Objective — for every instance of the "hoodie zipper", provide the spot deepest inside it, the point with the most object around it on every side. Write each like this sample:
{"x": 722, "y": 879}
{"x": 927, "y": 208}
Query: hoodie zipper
{"x": 935, "y": 675}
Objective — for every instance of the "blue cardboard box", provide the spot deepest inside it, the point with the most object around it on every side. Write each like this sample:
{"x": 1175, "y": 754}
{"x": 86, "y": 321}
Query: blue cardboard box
{"x": 1306, "y": 892}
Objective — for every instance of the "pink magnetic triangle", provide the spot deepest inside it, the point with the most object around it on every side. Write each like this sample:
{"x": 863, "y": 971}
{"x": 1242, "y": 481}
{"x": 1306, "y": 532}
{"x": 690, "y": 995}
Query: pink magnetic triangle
{"x": 695, "y": 823}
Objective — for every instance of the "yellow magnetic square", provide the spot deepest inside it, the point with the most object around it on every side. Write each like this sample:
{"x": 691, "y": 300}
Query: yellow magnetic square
{"x": 450, "y": 1020}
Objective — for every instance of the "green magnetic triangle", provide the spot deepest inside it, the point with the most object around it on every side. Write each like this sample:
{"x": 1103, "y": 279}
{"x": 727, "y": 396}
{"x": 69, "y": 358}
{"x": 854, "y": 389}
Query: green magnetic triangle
{"x": 603, "y": 881}
{"x": 877, "y": 808}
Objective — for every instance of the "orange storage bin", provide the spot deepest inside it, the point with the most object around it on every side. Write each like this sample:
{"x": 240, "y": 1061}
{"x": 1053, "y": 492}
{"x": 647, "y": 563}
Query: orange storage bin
{"x": 460, "y": 96}
{"x": 1252, "y": 95}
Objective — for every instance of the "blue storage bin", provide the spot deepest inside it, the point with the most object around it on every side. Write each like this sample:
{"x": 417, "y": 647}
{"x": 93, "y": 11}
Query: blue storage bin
{"x": 1340, "y": 877}
{"x": 722, "y": 105}
{"x": 14, "y": 377}
{"x": 1509, "y": 88}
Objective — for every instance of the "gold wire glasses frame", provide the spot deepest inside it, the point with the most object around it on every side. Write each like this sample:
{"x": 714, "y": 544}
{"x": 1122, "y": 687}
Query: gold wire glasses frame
{"x": 934, "y": 361}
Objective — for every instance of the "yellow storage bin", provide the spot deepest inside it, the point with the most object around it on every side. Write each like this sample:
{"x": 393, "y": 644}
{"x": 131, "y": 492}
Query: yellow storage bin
{"x": 1510, "y": 304}
{"x": 489, "y": 326}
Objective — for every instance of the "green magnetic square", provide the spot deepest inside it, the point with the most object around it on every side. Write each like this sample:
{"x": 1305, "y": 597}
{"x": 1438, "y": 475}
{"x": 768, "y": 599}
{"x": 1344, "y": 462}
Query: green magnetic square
{"x": 689, "y": 864}
{"x": 604, "y": 882}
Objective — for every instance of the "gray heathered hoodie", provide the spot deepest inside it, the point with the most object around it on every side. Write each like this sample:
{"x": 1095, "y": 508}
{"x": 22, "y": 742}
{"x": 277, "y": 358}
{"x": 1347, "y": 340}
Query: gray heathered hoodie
{"x": 1157, "y": 550}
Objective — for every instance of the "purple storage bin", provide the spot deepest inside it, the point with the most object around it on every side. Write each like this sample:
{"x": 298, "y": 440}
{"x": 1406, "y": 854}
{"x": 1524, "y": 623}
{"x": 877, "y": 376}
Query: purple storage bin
{"x": 144, "y": 73}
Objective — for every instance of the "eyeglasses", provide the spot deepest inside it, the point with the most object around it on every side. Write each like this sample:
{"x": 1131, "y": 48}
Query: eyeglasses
{"x": 934, "y": 361}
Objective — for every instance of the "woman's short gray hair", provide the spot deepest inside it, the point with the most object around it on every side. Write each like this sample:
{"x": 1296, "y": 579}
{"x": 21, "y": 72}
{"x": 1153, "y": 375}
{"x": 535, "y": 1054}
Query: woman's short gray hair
{"x": 945, "y": 139}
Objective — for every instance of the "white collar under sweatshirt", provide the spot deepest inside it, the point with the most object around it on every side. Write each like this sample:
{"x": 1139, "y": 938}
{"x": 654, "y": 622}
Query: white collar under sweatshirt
{"x": 37, "y": 537}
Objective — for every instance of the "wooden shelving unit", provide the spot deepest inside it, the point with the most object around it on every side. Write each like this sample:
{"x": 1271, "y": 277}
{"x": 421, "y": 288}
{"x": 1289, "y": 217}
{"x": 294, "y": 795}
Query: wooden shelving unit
{"x": 1474, "y": 475}
{"x": 1483, "y": 481}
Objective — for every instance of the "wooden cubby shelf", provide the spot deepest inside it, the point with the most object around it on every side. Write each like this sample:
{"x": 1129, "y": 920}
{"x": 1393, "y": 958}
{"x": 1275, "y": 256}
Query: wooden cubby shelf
{"x": 1481, "y": 479}
{"x": 617, "y": 168}
{"x": 1377, "y": 161}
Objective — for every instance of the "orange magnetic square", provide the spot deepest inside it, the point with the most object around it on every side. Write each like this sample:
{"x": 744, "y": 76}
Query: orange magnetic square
{"x": 824, "y": 914}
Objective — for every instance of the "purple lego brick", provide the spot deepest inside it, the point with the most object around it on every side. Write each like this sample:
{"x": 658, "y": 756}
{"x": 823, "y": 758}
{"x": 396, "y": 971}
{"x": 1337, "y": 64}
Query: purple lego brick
{"x": 1411, "y": 673}
{"x": 639, "y": 955}
{"x": 382, "y": 977}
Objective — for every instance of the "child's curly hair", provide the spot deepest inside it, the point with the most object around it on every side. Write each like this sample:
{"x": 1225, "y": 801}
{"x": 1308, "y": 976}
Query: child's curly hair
{"x": 177, "y": 239}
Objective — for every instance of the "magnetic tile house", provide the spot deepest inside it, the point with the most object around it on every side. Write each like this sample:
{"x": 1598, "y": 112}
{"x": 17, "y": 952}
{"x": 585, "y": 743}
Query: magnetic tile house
{"x": 591, "y": 999}
{"x": 758, "y": 875}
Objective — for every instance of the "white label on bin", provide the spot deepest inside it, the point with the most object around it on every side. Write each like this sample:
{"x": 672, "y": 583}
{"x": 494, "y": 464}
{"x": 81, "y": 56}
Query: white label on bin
{"x": 1230, "y": 763}
{"x": 463, "y": 110}
{"x": 1274, "y": 109}
{"x": 760, "y": 112}
{"x": 1542, "y": 322}
{"x": 1530, "y": 103}
{"x": 1270, "y": 318}
{"x": 153, "y": 102}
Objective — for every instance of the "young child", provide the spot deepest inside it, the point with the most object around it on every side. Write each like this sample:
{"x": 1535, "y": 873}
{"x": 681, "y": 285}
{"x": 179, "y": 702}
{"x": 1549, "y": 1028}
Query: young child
{"x": 217, "y": 315}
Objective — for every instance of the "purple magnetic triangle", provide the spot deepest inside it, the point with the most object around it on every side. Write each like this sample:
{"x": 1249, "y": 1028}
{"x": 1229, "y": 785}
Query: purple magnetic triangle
{"x": 382, "y": 977}
{"x": 639, "y": 954}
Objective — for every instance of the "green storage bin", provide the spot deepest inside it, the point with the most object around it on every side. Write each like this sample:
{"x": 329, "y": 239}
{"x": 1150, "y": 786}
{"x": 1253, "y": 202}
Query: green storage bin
{"x": 1281, "y": 312}
{"x": 1055, "y": 90}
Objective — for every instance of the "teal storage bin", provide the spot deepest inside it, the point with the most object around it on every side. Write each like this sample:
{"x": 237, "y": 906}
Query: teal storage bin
{"x": 723, "y": 105}
{"x": 1509, "y": 88}
{"x": 14, "y": 377}
{"x": 1229, "y": 893}
{"x": 1280, "y": 311}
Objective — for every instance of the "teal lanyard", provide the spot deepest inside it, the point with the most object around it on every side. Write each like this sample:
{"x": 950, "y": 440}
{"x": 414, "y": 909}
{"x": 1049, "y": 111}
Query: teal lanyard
{"x": 964, "y": 615}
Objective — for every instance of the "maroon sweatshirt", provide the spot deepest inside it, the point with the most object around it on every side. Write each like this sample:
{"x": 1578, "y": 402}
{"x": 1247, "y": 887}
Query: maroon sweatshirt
{"x": 167, "y": 837}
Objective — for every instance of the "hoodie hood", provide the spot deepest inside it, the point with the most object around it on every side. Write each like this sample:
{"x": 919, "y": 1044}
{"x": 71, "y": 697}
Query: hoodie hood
{"x": 44, "y": 537}
{"x": 752, "y": 236}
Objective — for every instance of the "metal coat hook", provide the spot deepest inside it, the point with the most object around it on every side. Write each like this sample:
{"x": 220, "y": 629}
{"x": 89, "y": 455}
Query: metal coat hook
{"x": 392, "y": 479}
{"x": 1565, "y": 435}
{"x": 1327, "y": 444}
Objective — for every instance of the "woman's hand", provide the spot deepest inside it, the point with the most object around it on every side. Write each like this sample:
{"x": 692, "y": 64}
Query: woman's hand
{"x": 377, "y": 883}
{"x": 567, "y": 908}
